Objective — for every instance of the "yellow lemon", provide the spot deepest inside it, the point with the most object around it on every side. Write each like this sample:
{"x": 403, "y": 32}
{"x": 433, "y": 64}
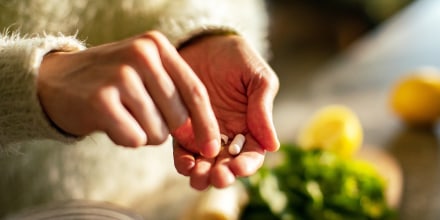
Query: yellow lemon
{"x": 415, "y": 98}
{"x": 335, "y": 128}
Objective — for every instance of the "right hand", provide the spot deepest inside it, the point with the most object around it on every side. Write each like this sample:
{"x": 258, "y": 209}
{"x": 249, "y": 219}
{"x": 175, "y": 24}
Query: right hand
{"x": 137, "y": 90}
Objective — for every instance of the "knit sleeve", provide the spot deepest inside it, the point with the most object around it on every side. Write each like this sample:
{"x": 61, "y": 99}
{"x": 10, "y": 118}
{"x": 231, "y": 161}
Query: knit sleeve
{"x": 21, "y": 116}
{"x": 184, "y": 19}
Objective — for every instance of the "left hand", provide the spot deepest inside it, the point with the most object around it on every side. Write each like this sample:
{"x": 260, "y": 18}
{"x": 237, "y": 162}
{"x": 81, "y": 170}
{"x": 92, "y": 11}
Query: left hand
{"x": 242, "y": 88}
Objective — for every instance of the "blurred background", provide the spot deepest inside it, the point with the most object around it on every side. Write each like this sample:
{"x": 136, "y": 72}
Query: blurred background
{"x": 305, "y": 34}
{"x": 352, "y": 52}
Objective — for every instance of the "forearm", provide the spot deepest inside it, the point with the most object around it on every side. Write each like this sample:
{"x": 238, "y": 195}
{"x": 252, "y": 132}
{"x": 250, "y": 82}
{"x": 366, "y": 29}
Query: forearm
{"x": 22, "y": 117}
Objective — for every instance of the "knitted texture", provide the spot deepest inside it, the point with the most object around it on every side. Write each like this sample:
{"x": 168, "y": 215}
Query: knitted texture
{"x": 184, "y": 19}
{"x": 21, "y": 116}
{"x": 100, "y": 22}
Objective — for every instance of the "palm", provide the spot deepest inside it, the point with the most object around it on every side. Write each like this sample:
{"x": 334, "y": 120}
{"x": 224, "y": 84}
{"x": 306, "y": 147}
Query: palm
{"x": 228, "y": 98}
{"x": 239, "y": 83}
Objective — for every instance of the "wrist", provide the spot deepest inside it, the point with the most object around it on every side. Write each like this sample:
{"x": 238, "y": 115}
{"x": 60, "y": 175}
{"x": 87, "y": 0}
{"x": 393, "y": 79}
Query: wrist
{"x": 204, "y": 35}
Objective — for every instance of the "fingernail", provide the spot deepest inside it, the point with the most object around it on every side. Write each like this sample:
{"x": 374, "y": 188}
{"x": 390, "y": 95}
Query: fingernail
{"x": 211, "y": 149}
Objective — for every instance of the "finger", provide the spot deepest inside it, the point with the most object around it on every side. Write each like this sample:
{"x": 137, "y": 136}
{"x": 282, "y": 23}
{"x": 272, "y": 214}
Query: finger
{"x": 249, "y": 160}
{"x": 161, "y": 87}
{"x": 186, "y": 137}
{"x": 184, "y": 161}
{"x": 118, "y": 123}
{"x": 139, "y": 103}
{"x": 199, "y": 178}
{"x": 260, "y": 122}
{"x": 221, "y": 175}
{"x": 194, "y": 95}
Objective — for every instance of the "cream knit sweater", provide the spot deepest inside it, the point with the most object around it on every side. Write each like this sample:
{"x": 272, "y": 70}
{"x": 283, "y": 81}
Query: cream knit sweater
{"x": 38, "y": 163}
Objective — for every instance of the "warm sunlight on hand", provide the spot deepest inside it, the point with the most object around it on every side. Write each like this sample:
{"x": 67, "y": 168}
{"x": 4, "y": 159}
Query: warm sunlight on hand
{"x": 242, "y": 88}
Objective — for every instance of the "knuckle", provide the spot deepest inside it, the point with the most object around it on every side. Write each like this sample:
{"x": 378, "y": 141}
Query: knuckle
{"x": 143, "y": 53}
{"x": 156, "y": 35}
{"x": 140, "y": 47}
{"x": 157, "y": 137}
{"x": 100, "y": 98}
{"x": 274, "y": 82}
{"x": 270, "y": 78}
{"x": 135, "y": 140}
{"x": 125, "y": 76}
{"x": 131, "y": 140}
{"x": 160, "y": 40}
{"x": 268, "y": 81}
{"x": 199, "y": 94}
{"x": 101, "y": 102}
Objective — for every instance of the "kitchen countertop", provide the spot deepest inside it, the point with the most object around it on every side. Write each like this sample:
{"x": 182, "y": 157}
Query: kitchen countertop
{"x": 362, "y": 78}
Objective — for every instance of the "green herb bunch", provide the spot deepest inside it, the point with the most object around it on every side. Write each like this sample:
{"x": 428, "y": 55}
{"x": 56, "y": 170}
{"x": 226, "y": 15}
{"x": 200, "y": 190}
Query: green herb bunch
{"x": 316, "y": 184}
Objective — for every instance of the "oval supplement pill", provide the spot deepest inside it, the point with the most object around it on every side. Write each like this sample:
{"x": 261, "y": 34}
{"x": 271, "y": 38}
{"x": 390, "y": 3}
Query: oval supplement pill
{"x": 236, "y": 144}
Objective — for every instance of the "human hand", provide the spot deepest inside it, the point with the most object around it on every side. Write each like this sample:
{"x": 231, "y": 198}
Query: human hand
{"x": 136, "y": 90}
{"x": 242, "y": 88}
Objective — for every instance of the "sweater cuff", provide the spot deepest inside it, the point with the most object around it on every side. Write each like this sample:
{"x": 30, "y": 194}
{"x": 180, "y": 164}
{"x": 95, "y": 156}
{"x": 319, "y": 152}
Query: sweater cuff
{"x": 199, "y": 34}
{"x": 181, "y": 25}
{"x": 181, "y": 34}
{"x": 21, "y": 115}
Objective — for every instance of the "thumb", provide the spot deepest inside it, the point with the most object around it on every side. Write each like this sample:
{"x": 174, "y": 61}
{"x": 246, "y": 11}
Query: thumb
{"x": 260, "y": 121}
{"x": 185, "y": 136}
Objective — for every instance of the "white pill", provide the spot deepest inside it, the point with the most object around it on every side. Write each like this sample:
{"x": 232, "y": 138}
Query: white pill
{"x": 236, "y": 144}
{"x": 224, "y": 138}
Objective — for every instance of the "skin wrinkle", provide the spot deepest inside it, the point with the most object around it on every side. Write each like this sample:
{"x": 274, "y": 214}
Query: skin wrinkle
{"x": 218, "y": 109}
{"x": 225, "y": 95}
